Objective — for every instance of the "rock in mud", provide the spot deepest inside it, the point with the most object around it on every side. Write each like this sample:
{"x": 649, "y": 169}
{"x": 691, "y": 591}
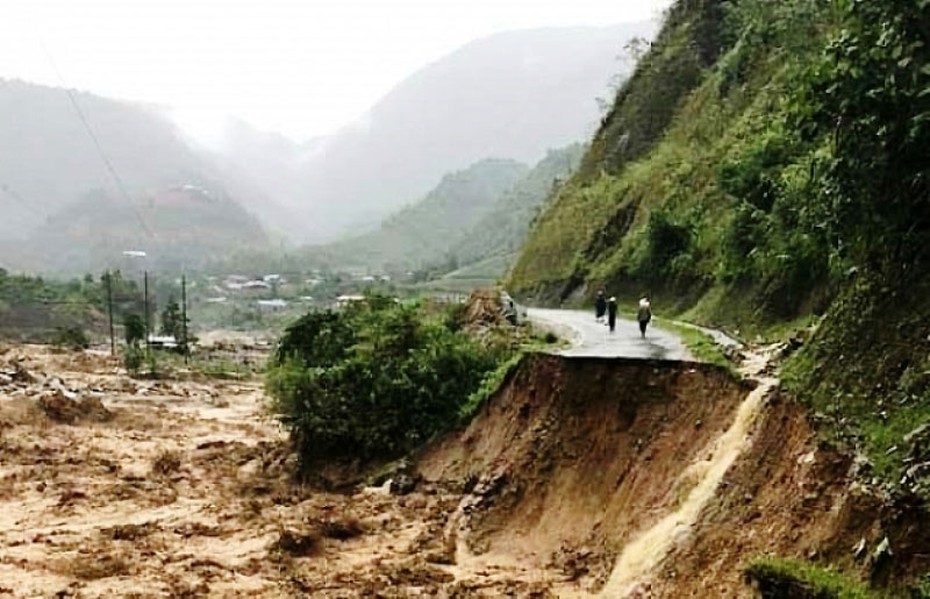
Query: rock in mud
{"x": 21, "y": 375}
{"x": 61, "y": 408}
{"x": 299, "y": 544}
{"x": 403, "y": 484}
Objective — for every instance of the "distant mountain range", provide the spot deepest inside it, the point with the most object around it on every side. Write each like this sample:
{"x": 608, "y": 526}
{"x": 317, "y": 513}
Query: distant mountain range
{"x": 180, "y": 227}
{"x": 63, "y": 209}
{"x": 474, "y": 214}
{"x": 511, "y": 95}
{"x": 48, "y": 159}
{"x": 422, "y": 234}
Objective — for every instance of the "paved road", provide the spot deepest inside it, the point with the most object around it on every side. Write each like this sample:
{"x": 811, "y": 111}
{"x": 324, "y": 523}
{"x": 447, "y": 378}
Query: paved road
{"x": 590, "y": 338}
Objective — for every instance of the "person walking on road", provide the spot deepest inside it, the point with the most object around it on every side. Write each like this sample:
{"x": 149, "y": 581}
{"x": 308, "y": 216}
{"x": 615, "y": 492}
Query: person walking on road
{"x": 612, "y": 313}
{"x": 600, "y": 306}
{"x": 643, "y": 315}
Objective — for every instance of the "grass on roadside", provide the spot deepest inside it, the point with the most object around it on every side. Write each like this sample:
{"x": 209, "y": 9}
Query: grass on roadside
{"x": 795, "y": 578}
{"x": 701, "y": 345}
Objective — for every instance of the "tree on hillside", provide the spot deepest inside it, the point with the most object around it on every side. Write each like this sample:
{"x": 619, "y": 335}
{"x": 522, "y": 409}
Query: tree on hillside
{"x": 134, "y": 329}
{"x": 172, "y": 322}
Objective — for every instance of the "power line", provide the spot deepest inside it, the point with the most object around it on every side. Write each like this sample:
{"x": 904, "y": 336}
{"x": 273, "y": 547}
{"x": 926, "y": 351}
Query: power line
{"x": 93, "y": 136}
{"x": 22, "y": 202}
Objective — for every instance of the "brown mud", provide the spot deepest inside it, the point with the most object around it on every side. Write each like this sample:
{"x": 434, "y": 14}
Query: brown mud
{"x": 115, "y": 487}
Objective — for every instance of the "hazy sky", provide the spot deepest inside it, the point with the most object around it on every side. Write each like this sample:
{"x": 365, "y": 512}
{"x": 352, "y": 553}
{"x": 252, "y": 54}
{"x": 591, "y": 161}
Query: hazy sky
{"x": 302, "y": 67}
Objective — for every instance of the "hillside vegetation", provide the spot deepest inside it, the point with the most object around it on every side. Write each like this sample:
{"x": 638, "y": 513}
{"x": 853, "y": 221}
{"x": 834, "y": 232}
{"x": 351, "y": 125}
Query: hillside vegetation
{"x": 375, "y": 380}
{"x": 501, "y": 230}
{"x": 179, "y": 227}
{"x": 765, "y": 164}
{"x": 424, "y": 232}
{"x": 474, "y": 215}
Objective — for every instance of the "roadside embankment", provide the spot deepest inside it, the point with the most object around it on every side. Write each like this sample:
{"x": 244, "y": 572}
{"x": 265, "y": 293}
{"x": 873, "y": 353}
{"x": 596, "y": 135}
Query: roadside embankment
{"x": 636, "y": 478}
{"x": 573, "y": 456}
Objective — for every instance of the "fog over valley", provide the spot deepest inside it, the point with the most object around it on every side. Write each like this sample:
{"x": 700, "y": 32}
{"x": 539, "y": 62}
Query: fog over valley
{"x": 512, "y": 95}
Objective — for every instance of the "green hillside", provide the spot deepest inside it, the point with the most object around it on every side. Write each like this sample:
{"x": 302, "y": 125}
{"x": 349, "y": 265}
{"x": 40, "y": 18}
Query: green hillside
{"x": 423, "y": 233}
{"x": 181, "y": 227}
{"x": 503, "y": 228}
{"x": 477, "y": 214}
{"x": 766, "y": 164}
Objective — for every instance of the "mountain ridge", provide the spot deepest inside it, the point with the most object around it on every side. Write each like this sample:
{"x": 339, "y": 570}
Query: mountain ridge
{"x": 458, "y": 110}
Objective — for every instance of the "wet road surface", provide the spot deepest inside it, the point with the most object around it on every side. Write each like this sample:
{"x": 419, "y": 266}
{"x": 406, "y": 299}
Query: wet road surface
{"x": 593, "y": 339}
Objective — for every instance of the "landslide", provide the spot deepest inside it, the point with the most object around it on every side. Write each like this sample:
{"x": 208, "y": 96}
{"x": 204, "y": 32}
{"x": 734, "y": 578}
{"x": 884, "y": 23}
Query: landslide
{"x": 572, "y": 457}
{"x": 658, "y": 479}
{"x": 786, "y": 187}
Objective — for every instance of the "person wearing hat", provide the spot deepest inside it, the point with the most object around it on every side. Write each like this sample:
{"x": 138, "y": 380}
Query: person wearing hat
{"x": 612, "y": 313}
{"x": 643, "y": 315}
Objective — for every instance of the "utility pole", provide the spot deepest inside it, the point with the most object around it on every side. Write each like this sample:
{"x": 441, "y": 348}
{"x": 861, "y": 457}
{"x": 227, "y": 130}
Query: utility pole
{"x": 145, "y": 304}
{"x": 109, "y": 280}
{"x": 184, "y": 318}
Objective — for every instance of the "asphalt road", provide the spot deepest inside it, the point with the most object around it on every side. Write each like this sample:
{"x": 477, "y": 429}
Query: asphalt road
{"x": 593, "y": 339}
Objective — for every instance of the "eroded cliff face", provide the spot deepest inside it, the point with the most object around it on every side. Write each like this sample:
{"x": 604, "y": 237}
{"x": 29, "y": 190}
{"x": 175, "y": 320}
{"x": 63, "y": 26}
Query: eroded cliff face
{"x": 634, "y": 478}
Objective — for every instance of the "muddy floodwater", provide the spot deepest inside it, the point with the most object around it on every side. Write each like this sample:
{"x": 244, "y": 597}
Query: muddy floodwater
{"x": 115, "y": 487}
{"x": 581, "y": 476}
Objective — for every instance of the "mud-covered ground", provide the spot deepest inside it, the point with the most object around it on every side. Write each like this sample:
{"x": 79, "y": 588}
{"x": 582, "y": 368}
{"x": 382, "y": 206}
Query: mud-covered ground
{"x": 111, "y": 486}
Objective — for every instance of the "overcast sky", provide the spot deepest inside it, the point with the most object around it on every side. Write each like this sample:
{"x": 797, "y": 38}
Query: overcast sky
{"x": 301, "y": 67}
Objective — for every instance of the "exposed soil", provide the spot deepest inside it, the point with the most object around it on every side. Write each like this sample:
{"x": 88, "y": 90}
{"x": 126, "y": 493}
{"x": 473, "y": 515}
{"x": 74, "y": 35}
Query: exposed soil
{"x": 121, "y": 487}
{"x": 575, "y": 457}
{"x": 623, "y": 479}
{"x": 660, "y": 477}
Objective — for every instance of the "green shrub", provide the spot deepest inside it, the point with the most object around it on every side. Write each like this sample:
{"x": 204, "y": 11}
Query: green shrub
{"x": 489, "y": 385}
{"x": 134, "y": 329}
{"x": 372, "y": 381}
{"x": 793, "y": 578}
{"x": 133, "y": 357}
{"x": 72, "y": 337}
{"x": 665, "y": 252}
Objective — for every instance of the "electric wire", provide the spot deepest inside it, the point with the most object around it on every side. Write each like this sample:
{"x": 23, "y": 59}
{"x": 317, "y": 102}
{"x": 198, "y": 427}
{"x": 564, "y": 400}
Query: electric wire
{"x": 118, "y": 181}
{"x": 10, "y": 192}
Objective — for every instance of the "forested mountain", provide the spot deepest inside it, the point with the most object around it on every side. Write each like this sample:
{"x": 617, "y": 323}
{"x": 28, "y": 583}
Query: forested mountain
{"x": 502, "y": 229}
{"x": 63, "y": 209}
{"x": 767, "y": 162}
{"x": 510, "y": 95}
{"x": 475, "y": 214}
{"x": 48, "y": 159}
{"x": 423, "y": 233}
{"x": 180, "y": 227}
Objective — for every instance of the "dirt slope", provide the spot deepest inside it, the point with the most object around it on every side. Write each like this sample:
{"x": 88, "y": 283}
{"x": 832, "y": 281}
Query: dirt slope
{"x": 575, "y": 456}
{"x": 629, "y": 478}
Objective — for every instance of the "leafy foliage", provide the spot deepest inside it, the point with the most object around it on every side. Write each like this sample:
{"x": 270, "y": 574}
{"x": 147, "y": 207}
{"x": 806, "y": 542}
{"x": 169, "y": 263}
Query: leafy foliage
{"x": 664, "y": 249}
{"x": 372, "y": 381}
{"x": 792, "y": 578}
{"x": 870, "y": 92}
{"x": 38, "y": 309}
{"x": 865, "y": 370}
{"x": 133, "y": 329}
{"x": 72, "y": 337}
